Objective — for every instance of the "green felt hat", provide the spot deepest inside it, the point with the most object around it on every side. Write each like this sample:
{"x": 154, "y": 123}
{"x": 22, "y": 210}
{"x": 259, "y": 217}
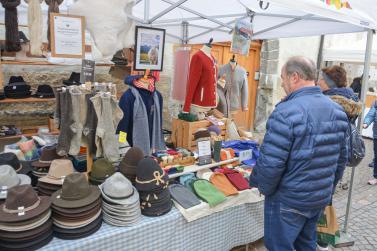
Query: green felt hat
{"x": 208, "y": 192}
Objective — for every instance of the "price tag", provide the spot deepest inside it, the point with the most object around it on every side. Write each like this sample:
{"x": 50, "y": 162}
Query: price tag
{"x": 122, "y": 137}
{"x": 245, "y": 155}
{"x": 204, "y": 152}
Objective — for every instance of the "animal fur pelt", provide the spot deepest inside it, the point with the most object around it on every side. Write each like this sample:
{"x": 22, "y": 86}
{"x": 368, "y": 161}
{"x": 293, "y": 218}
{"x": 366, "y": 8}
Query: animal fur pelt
{"x": 53, "y": 7}
{"x": 352, "y": 109}
{"x": 35, "y": 21}
{"x": 107, "y": 23}
{"x": 12, "y": 38}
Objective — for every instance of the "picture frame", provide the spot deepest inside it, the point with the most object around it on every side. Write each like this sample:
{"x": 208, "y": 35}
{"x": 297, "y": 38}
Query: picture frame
{"x": 67, "y": 34}
{"x": 149, "y": 48}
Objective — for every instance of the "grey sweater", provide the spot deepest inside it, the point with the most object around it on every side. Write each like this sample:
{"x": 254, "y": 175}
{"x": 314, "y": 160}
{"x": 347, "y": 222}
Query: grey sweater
{"x": 237, "y": 85}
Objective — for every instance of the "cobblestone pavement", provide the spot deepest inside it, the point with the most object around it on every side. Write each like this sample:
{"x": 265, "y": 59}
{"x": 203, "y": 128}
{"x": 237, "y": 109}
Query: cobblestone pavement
{"x": 363, "y": 221}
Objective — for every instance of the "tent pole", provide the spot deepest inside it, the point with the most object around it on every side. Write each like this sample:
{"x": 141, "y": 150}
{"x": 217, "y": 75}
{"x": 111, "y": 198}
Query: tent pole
{"x": 185, "y": 26}
{"x": 347, "y": 241}
{"x": 146, "y": 11}
{"x": 320, "y": 54}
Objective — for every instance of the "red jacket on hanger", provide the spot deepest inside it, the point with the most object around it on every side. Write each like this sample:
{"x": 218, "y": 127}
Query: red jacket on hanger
{"x": 201, "y": 88}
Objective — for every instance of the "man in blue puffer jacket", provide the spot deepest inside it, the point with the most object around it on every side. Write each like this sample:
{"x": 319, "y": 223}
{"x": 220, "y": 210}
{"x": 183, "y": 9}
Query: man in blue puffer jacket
{"x": 304, "y": 151}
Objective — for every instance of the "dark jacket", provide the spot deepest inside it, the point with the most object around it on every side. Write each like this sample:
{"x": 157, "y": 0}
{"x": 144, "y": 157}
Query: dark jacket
{"x": 356, "y": 86}
{"x": 304, "y": 150}
{"x": 126, "y": 103}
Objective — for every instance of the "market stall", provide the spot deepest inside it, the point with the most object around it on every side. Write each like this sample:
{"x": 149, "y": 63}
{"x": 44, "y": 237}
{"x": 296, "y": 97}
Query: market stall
{"x": 111, "y": 178}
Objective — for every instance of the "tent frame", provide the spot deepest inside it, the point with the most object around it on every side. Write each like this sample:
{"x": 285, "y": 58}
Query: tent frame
{"x": 223, "y": 27}
{"x": 185, "y": 39}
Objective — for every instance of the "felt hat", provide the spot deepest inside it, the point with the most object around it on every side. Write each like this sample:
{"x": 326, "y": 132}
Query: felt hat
{"x": 17, "y": 88}
{"x": 44, "y": 91}
{"x": 237, "y": 179}
{"x": 77, "y": 216}
{"x": 11, "y": 160}
{"x": 221, "y": 182}
{"x": 62, "y": 223}
{"x": 27, "y": 224}
{"x": 59, "y": 169}
{"x": 48, "y": 186}
{"x": 119, "y": 223}
{"x": 74, "y": 79}
{"x": 150, "y": 176}
{"x": 207, "y": 192}
{"x": 78, "y": 210}
{"x": 48, "y": 155}
{"x": 204, "y": 174}
{"x": 202, "y": 134}
{"x": 128, "y": 165}
{"x": 214, "y": 129}
{"x": 101, "y": 170}
{"x": 119, "y": 190}
{"x": 26, "y": 235}
{"x": 36, "y": 244}
{"x": 78, "y": 233}
{"x": 22, "y": 204}
{"x": 76, "y": 192}
{"x": 9, "y": 178}
{"x": 183, "y": 196}
{"x": 154, "y": 212}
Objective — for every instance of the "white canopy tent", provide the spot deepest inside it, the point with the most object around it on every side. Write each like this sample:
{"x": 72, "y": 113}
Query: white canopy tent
{"x": 281, "y": 18}
{"x": 196, "y": 21}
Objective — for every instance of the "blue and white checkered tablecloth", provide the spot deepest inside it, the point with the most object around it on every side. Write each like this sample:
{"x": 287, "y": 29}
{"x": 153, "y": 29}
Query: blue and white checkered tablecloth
{"x": 233, "y": 227}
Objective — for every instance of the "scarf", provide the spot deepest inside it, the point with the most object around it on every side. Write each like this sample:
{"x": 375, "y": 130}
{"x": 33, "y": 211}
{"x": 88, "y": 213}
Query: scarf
{"x": 35, "y": 26}
{"x": 140, "y": 132}
{"x": 53, "y": 7}
{"x": 12, "y": 37}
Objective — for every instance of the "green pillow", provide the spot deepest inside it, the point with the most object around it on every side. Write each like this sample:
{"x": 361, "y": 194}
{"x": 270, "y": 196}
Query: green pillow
{"x": 208, "y": 192}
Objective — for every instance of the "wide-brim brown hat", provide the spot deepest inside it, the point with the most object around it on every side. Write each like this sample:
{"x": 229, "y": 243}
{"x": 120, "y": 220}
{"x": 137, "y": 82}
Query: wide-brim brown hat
{"x": 57, "y": 201}
{"x": 77, "y": 210}
{"x": 41, "y": 208}
{"x": 37, "y": 243}
{"x": 128, "y": 165}
{"x": 82, "y": 233}
{"x": 28, "y": 234}
{"x": 48, "y": 155}
{"x": 78, "y": 230}
{"x": 48, "y": 186}
{"x": 42, "y": 231}
{"x": 78, "y": 224}
{"x": 26, "y": 225}
{"x": 76, "y": 217}
{"x": 59, "y": 169}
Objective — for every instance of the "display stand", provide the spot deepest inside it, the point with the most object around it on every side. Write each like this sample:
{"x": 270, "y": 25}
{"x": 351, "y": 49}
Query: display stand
{"x": 195, "y": 168}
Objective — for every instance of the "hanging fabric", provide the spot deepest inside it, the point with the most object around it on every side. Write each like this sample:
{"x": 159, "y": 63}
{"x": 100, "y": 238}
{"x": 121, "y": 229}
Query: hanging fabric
{"x": 53, "y": 7}
{"x": 35, "y": 26}
{"x": 12, "y": 37}
{"x": 181, "y": 73}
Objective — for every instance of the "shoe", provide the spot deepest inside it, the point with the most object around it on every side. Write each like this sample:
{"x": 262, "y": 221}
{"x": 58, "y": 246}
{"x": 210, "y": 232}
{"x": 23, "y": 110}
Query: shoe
{"x": 371, "y": 164}
{"x": 372, "y": 182}
{"x": 322, "y": 248}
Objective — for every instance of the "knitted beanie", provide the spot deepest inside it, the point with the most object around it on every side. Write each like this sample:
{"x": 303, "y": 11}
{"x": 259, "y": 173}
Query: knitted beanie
{"x": 53, "y": 7}
{"x": 12, "y": 38}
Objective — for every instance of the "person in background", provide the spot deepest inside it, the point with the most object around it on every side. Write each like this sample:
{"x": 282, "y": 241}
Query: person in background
{"x": 369, "y": 119}
{"x": 303, "y": 152}
{"x": 356, "y": 85}
{"x": 333, "y": 83}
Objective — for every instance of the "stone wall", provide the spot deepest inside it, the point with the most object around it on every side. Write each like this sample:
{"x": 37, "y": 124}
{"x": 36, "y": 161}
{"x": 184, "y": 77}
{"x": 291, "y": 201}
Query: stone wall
{"x": 274, "y": 54}
{"x": 36, "y": 114}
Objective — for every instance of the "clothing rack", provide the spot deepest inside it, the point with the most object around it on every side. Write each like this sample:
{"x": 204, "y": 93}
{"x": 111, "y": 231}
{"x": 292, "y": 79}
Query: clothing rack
{"x": 88, "y": 88}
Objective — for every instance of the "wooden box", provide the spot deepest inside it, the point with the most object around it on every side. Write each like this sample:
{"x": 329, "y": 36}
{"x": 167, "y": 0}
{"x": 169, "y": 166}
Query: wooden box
{"x": 183, "y": 132}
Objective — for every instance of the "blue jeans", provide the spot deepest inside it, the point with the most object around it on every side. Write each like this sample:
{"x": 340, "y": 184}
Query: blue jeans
{"x": 375, "y": 158}
{"x": 288, "y": 229}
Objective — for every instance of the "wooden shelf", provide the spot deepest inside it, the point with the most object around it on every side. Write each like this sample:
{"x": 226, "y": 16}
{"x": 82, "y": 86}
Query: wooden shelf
{"x": 42, "y": 63}
{"x": 25, "y": 134}
{"x": 26, "y": 100}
